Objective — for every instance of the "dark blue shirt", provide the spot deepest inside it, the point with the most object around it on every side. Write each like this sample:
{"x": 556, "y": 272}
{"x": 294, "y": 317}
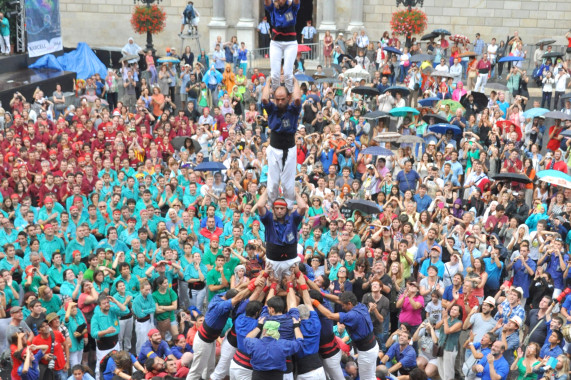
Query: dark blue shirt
{"x": 111, "y": 366}
{"x": 177, "y": 351}
{"x": 268, "y": 354}
{"x": 357, "y": 321}
{"x": 147, "y": 351}
{"x": 285, "y": 320}
{"x": 243, "y": 326}
{"x": 406, "y": 357}
{"x": 283, "y": 17}
{"x": 546, "y": 350}
{"x": 522, "y": 277}
{"x": 500, "y": 365}
{"x": 218, "y": 312}
{"x": 34, "y": 369}
{"x": 281, "y": 233}
{"x": 449, "y": 294}
{"x": 310, "y": 328}
{"x": 407, "y": 181}
{"x": 285, "y": 122}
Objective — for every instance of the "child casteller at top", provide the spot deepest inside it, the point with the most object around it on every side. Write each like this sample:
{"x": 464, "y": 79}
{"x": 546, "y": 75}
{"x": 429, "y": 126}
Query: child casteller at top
{"x": 283, "y": 14}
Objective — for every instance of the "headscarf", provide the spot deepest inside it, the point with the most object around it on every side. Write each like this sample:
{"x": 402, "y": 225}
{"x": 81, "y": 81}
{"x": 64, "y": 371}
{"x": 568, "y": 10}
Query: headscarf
{"x": 131, "y": 48}
{"x": 271, "y": 328}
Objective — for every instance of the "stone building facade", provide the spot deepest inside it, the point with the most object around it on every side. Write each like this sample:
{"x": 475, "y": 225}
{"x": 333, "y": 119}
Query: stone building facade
{"x": 105, "y": 23}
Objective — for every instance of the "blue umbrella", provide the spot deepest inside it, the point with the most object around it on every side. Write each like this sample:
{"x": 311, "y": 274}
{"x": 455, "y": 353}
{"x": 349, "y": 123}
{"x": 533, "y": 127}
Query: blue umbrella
{"x": 304, "y": 78}
{"x": 535, "y": 112}
{"x": 391, "y": 49}
{"x": 403, "y": 90}
{"x": 378, "y": 151}
{"x": 210, "y": 166}
{"x": 511, "y": 58}
{"x": 403, "y": 111}
{"x": 554, "y": 173}
{"x": 442, "y": 128}
{"x": 427, "y": 102}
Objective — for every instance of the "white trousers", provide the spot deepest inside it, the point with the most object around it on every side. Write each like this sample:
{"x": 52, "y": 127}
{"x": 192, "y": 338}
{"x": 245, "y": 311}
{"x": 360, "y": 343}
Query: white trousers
{"x": 316, "y": 374}
{"x": 141, "y": 331}
{"x": 6, "y": 46}
{"x": 227, "y": 352}
{"x": 204, "y": 359}
{"x": 367, "y": 362}
{"x": 237, "y": 372}
{"x": 481, "y": 82}
{"x": 281, "y": 268}
{"x": 278, "y": 173}
{"x": 100, "y": 354}
{"x": 75, "y": 358}
{"x": 286, "y": 50}
{"x": 125, "y": 334}
{"x": 446, "y": 365}
{"x": 332, "y": 367}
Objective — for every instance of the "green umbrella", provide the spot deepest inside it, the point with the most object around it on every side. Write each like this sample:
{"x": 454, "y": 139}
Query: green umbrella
{"x": 403, "y": 111}
{"x": 454, "y": 105}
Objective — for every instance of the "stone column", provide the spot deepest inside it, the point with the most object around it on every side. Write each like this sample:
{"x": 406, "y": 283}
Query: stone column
{"x": 328, "y": 20}
{"x": 356, "y": 16}
{"x": 217, "y": 26}
{"x": 246, "y": 26}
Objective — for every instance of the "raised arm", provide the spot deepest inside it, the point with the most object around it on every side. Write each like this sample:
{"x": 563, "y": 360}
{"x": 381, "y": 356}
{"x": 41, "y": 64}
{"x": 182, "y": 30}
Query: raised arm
{"x": 296, "y": 95}
{"x": 266, "y": 90}
{"x": 260, "y": 205}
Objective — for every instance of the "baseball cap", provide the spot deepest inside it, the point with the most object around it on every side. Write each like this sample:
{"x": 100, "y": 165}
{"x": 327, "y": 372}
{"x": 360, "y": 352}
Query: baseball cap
{"x": 436, "y": 248}
{"x": 152, "y": 332}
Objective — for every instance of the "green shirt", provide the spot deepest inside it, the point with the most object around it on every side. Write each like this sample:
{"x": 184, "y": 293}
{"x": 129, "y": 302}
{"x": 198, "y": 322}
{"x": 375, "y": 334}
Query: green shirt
{"x": 165, "y": 300}
{"x": 214, "y": 278}
{"x": 143, "y": 306}
{"x": 55, "y": 276}
{"x": 101, "y": 321}
{"x": 53, "y": 305}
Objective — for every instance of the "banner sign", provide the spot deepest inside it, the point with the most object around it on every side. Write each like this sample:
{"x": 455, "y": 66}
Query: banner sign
{"x": 43, "y": 27}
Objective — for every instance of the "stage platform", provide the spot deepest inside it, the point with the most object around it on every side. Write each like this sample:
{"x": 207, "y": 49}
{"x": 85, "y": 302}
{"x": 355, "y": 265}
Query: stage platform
{"x": 15, "y": 76}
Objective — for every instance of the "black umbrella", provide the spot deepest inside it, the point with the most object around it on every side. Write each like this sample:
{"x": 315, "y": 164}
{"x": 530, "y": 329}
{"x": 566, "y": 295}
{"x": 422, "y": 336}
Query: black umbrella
{"x": 545, "y": 41}
{"x": 375, "y": 115}
{"x": 442, "y": 31}
{"x": 553, "y": 54}
{"x": 337, "y": 67}
{"x": 480, "y": 99}
{"x": 178, "y": 142}
{"x": 366, "y": 207}
{"x": 421, "y": 58}
{"x": 437, "y": 118}
{"x": 429, "y": 36}
{"x": 513, "y": 177}
{"x": 400, "y": 89}
{"x": 365, "y": 91}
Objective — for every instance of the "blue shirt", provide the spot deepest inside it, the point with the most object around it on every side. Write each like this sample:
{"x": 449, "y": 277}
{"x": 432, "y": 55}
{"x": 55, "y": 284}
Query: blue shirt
{"x": 147, "y": 351}
{"x": 218, "y": 312}
{"x": 448, "y": 294}
{"x": 422, "y": 203}
{"x": 406, "y": 357}
{"x": 407, "y": 181}
{"x": 554, "y": 269}
{"x": 281, "y": 233}
{"x": 285, "y": 320}
{"x": 283, "y": 17}
{"x": 546, "y": 350}
{"x": 283, "y": 122}
{"x": 439, "y": 265}
{"x": 494, "y": 273}
{"x": 422, "y": 248}
{"x": 268, "y": 354}
{"x": 310, "y": 328}
{"x": 522, "y": 277}
{"x": 111, "y": 366}
{"x": 242, "y": 326}
{"x": 500, "y": 365}
{"x": 357, "y": 322}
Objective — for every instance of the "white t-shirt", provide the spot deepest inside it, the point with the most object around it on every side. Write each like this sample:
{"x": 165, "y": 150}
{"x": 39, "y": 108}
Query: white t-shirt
{"x": 492, "y": 50}
{"x": 560, "y": 81}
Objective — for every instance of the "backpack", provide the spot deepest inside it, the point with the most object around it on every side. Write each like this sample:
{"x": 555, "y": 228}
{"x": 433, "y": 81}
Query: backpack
{"x": 188, "y": 12}
{"x": 104, "y": 361}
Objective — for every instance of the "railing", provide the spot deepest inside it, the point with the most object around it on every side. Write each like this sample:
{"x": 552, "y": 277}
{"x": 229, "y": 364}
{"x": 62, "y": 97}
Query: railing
{"x": 259, "y": 58}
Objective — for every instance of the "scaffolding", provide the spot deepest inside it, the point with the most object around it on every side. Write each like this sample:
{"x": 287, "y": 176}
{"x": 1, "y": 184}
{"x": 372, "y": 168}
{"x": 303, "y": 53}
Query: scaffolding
{"x": 18, "y": 12}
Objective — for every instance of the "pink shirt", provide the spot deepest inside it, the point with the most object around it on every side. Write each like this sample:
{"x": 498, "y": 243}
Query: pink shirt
{"x": 408, "y": 314}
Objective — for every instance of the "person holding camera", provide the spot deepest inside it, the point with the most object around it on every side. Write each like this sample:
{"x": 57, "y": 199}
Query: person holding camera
{"x": 54, "y": 357}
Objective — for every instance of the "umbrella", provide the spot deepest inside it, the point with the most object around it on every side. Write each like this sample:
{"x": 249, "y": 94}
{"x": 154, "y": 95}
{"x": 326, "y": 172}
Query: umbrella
{"x": 566, "y": 96}
{"x": 337, "y": 67}
{"x": 421, "y": 58}
{"x": 557, "y": 181}
{"x": 426, "y": 102}
{"x": 328, "y": 80}
{"x": 480, "y": 99}
{"x": 557, "y": 115}
{"x": 388, "y": 137}
{"x": 303, "y": 48}
{"x": 437, "y": 118}
{"x": 428, "y": 70}
{"x": 511, "y": 58}
{"x": 366, "y": 207}
{"x": 365, "y": 91}
{"x": 403, "y": 90}
{"x": 459, "y": 38}
{"x": 454, "y": 105}
{"x": 441, "y": 31}
{"x": 168, "y": 59}
{"x": 411, "y": 139}
{"x": 357, "y": 73}
{"x": 304, "y": 78}
{"x": 403, "y": 111}
{"x": 429, "y": 36}
{"x": 497, "y": 86}
{"x": 393, "y": 50}
{"x": 553, "y": 173}
{"x": 506, "y": 124}
{"x": 468, "y": 54}
{"x": 178, "y": 142}
{"x": 442, "y": 128}
{"x": 513, "y": 177}
{"x": 545, "y": 41}
{"x": 566, "y": 133}
{"x": 375, "y": 115}
{"x": 553, "y": 54}
{"x": 535, "y": 112}
{"x": 129, "y": 57}
{"x": 442, "y": 74}
{"x": 210, "y": 166}
{"x": 378, "y": 151}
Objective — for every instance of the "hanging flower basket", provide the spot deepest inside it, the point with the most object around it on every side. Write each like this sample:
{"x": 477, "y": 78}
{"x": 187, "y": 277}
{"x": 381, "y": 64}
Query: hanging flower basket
{"x": 148, "y": 19}
{"x": 406, "y": 22}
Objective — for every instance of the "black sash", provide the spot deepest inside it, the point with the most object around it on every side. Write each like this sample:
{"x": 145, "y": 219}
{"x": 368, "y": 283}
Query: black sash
{"x": 267, "y": 375}
{"x": 308, "y": 363}
{"x": 107, "y": 342}
{"x": 366, "y": 343}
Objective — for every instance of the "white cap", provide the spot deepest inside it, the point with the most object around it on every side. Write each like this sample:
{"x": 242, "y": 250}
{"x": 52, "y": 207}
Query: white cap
{"x": 490, "y": 301}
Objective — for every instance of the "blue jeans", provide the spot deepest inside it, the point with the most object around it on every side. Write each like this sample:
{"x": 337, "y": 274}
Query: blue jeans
{"x": 403, "y": 73}
{"x": 384, "y": 335}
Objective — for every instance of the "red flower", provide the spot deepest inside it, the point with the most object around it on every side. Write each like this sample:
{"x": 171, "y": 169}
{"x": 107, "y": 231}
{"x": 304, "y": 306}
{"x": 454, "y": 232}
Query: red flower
{"x": 148, "y": 19}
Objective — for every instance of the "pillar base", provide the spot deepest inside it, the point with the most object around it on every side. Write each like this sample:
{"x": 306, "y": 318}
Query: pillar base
{"x": 355, "y": 26}
{"x": 327, "y": 26}
{"x": 246, "y": 32}
{"x": 216, "y": 27}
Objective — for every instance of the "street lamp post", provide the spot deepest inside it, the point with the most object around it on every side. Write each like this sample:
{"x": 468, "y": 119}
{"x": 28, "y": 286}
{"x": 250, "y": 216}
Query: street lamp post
{"x": 410, "y": 3}
{"x": 149, "y": 35}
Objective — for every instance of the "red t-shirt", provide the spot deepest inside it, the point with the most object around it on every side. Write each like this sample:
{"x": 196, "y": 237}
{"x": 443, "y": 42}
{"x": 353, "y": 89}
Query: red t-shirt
{"x": 553, "y": 143}
{"x": 58, "y": 349}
